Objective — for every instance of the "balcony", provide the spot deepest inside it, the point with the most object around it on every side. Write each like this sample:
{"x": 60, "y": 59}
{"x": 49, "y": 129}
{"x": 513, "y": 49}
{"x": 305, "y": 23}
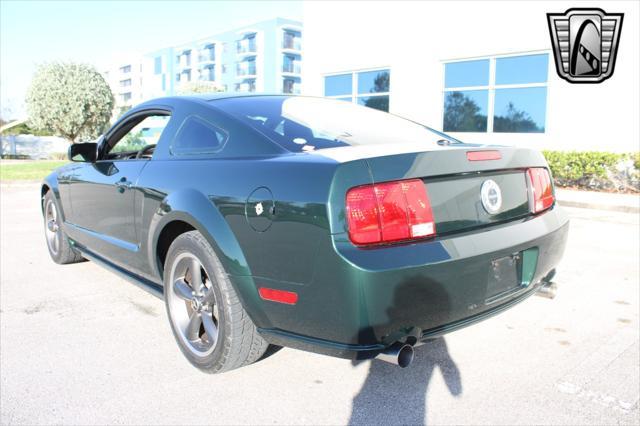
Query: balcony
{"x": 184, "y": 61}
{"x": 246, "y": 46}
{"x": 246, "y": 86}
{"x": 246, "y": 68}
{"x": 207, "y": 55}
{"x": 291, "y": 42}
{"x": 291, "y": 87}
{"x": 207, "y": 74}
{"x": 292, "y": 67}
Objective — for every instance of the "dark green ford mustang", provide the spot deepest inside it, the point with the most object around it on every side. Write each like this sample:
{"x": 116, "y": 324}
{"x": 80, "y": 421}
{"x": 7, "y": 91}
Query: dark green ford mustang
{"x": 305, "y": 222}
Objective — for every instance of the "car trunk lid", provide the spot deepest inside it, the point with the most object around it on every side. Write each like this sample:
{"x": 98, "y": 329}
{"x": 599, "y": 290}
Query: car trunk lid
{"x": 454, "y": 177}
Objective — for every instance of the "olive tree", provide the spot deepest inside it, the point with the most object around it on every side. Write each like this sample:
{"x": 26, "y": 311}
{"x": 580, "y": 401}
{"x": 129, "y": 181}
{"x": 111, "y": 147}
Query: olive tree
{"x": 70, "y": 100}
{"x": 194, "y": 87}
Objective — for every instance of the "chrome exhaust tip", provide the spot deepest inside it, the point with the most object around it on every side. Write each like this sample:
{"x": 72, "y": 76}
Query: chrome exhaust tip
{"x": 400, "y": 354}
{"x": 548, "y": 289}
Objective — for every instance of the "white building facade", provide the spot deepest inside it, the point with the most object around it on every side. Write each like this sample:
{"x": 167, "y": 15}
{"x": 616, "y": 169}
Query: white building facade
{"x": 263, "y": 57}
{"x": 483, "y": 72}
{"x": 126, "y": 79}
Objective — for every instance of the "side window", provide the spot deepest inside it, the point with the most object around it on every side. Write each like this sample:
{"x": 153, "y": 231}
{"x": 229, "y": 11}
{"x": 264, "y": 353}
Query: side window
{"x": 146, "y": 133}
{"x": 197, "y": 136}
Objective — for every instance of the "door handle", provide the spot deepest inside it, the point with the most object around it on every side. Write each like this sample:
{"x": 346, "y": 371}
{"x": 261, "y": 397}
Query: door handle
{"x": 123, "y": 184}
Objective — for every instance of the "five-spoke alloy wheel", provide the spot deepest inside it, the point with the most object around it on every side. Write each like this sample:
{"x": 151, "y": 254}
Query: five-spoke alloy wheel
{"x": 192, "y": 304}
{"x": 57, "y": 242}
{"x": 211, "y": 327}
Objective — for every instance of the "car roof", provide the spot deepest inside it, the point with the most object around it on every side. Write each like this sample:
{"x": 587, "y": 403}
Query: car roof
{"x": 202, "y": 98}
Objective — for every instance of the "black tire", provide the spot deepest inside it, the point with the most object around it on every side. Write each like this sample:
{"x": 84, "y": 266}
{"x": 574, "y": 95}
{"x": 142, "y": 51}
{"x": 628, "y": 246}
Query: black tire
{"x": 236, "y": 341}
{"x": 60, "y": 250}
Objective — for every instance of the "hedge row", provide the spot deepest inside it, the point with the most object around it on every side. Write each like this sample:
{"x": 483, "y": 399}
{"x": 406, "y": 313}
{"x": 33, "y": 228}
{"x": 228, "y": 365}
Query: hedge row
{"x": 595, "y": 170}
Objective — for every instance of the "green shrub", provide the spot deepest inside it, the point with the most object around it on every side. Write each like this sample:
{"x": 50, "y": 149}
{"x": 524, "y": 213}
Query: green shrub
{"x": 593, "y": 169}
{"x": 636, "y": 160}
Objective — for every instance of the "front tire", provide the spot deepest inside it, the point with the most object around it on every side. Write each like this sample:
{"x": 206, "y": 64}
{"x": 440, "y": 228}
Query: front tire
{"x": 211, "y": 327}
{"x": 60, "y": 250}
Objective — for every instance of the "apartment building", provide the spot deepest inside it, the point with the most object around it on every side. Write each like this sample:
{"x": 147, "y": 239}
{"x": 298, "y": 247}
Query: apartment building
{"x": 482, "y": 71}
{"x": 126, "y": 79}
{"x": 263, "y": 57}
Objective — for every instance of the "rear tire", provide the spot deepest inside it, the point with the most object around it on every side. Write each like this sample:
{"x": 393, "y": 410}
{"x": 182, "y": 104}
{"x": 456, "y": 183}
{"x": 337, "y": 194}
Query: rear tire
{"x": 211, "y": 327}
{"x": 60, "y": 250}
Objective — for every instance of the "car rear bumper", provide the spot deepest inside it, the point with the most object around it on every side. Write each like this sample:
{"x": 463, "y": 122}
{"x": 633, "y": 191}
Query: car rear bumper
{"x": 362, "y": 300}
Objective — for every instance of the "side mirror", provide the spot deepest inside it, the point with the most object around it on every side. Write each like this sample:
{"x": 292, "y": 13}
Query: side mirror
{"x": 83, "y": 152}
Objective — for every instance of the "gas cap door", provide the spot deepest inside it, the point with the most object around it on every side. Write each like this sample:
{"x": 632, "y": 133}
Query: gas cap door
{"x": 259, "y": 209}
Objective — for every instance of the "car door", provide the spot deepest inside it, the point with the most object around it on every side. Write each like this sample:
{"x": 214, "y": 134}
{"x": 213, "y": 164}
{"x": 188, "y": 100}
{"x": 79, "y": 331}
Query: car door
{"x": 103, "y": 193}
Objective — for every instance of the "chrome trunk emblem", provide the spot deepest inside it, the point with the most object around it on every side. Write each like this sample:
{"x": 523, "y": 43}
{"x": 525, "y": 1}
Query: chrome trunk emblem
{"x": 491, "y": 196}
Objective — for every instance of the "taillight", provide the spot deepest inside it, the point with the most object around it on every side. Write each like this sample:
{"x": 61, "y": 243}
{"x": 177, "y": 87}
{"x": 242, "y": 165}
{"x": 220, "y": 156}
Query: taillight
{"x": 389, "y": 212}
{"x": 542, "y": 189}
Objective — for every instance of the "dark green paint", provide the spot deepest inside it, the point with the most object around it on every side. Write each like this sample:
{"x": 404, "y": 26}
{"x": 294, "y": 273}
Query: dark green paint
{"x": 351, "y": 300}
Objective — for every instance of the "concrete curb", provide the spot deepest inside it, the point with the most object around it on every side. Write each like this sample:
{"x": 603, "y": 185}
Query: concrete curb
{"x": 619, "y": 202}
{"x": 595, "y": 206}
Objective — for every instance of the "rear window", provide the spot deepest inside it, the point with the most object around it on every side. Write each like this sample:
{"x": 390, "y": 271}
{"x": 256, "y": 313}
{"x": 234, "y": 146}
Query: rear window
{"x": 197, "y": 136}
{"x": 302, "y": 124}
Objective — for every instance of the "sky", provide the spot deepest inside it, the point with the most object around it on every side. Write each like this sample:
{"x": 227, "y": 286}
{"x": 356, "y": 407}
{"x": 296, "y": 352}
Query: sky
{"x": 34, "y": 32}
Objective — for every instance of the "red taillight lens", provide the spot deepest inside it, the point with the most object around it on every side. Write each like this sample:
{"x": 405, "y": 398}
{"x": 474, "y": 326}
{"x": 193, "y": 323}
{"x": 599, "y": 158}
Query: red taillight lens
{"x": 541, "y": 187}
{"x": 362, "y": 213}
{"x": 388, "y": 212}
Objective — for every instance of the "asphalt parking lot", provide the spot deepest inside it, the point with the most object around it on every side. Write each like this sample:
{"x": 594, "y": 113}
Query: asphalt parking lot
{"x": 79, "y": 345}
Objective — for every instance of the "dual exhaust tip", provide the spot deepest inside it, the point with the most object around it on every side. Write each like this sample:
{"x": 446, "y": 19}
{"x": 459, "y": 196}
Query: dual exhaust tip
{"x": 400, "y": 354}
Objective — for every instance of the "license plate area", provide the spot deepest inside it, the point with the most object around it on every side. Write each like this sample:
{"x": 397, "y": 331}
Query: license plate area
{"x": 510, "y": 274}
{"x": 503, "y": 276}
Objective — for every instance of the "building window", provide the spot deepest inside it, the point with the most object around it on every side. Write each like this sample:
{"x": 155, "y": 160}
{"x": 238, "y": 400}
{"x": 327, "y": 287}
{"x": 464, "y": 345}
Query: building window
{"x": 208, "y": 53}
{"x": 246, "y": 86}
{"x": 157, "y": 65}
{"x": 125, "y": 83}
{"x": 291, "y": 40}
{"x": 125, "y": 96}
{"x": 291, "y": 64}
{"x": 247, "y": 44}
{"x": 208, "y": 73}
{"x": 368, "y": 88}
{"x": 291, "y": 86}
{"x": 497, "y": 94}
{"x": 245, "y": 68}
{"x": 125, "y": 69}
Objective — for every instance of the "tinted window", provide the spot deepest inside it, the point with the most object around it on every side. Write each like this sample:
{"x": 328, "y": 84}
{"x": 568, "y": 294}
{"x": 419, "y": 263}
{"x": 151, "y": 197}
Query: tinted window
{"x": 373, "y": 81}
{"x": 520, "y": 110}
{"x": 157, "y": 65}
{"x": 301, "y": 124}
{"x": 522, "y": 69}
{"x": 337, "y": 85}
{"x": 467, "y": 73}
{"x": 465, "y": 111}
{"x": 197, "y": 136}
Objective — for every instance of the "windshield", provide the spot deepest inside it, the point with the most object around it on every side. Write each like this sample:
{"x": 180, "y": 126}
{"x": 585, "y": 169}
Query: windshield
{"x": 302, "y": 124}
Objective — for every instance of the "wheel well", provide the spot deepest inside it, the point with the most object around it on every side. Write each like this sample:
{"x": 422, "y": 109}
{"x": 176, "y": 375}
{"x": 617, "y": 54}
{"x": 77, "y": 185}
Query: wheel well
{"x": 170, "y": 232}
{"x": 43, "y": 192}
